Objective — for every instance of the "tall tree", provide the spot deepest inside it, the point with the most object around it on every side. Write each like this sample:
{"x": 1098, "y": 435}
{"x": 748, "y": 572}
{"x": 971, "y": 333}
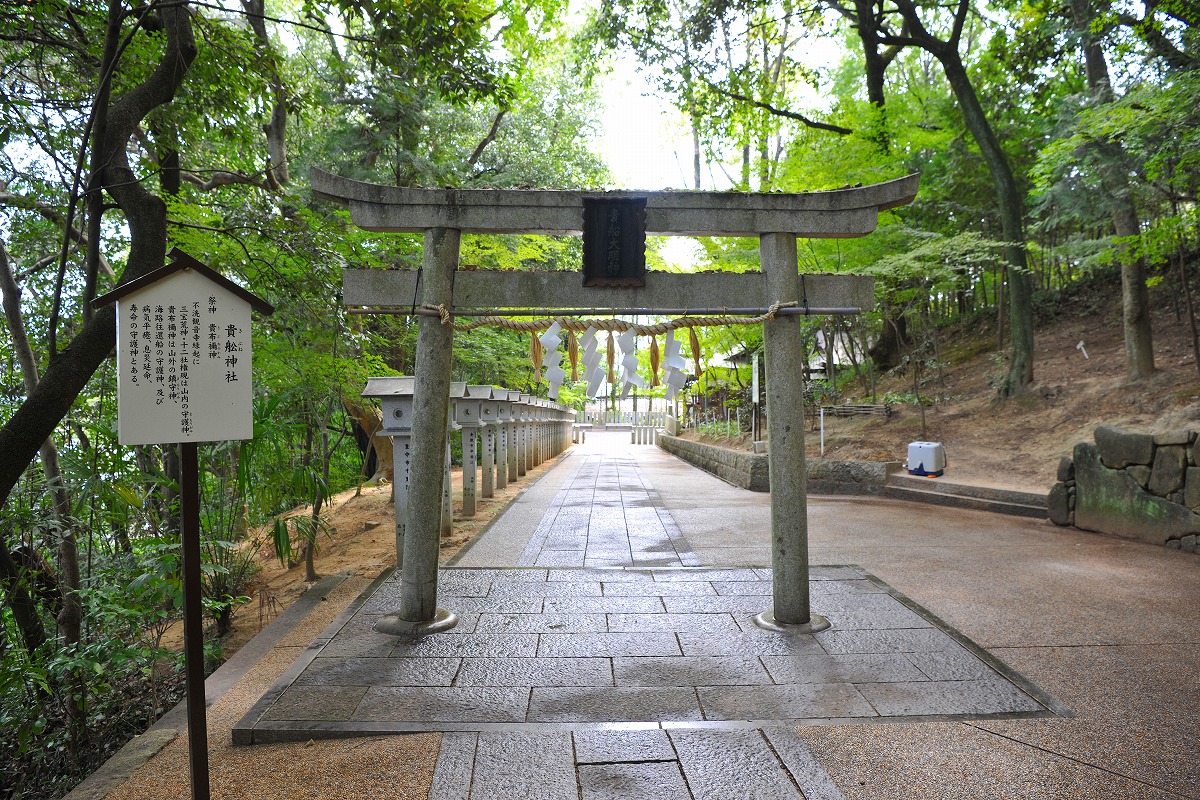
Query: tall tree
{"x": 904, "y": 24}
{"x": 124, "y": 95}
{"x": 1113, "y": 165}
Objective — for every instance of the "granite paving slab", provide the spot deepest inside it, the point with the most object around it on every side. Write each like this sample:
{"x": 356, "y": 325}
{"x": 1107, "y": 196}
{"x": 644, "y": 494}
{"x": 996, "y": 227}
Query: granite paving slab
{"x": 591, "y": 648}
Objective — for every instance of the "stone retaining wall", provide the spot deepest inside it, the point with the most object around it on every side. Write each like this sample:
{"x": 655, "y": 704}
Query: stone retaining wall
{"x": 1138, "y": 485}
{"x": 746, "y": 470}
{"x": 749, "y": 470}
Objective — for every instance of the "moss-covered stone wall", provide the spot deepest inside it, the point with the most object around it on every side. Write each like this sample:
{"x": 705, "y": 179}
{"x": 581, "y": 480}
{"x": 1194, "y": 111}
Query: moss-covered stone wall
{"x": 1138, "y": 485}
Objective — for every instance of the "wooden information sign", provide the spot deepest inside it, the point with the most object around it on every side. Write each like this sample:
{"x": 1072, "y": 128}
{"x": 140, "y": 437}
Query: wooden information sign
{"x": 184, "y": 357}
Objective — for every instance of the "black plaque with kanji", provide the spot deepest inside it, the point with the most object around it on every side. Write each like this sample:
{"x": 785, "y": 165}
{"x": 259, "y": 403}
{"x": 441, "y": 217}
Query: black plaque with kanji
{"x": 614, "y": 241}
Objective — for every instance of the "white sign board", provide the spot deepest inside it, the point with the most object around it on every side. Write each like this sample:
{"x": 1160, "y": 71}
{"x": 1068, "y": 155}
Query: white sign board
{"x": 754, "y": 395}
{"x": 183, "y": 357}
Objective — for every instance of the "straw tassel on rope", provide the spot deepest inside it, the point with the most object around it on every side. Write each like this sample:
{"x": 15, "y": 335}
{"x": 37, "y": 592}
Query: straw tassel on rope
{"x": 694, "y": 341}
{"x": 573, "y": 354}
{"x": 654, "y": 359}
{"x": 535, "y": 355}
{"x": 612, "y": 358}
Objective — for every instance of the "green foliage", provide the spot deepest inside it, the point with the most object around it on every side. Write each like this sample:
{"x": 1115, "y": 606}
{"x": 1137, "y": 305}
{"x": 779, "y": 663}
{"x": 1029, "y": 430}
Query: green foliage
{"x": 907, "y": 399}
{"x": 287, "y": 532}
{"x": 225, "y": 575}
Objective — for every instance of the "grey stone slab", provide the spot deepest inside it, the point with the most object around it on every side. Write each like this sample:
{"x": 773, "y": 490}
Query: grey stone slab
{"x": 453, "y": 583}
{"x": 714, "y": 575}
{"x": 680, "y": 589}
{"x": 541, "y": 623}
{"x": 513, "y": 575}
{"x": 546, "y": 589}
{"x": 607, "y": 561}
{"x": 443, "y": 704}
{"x": 829, "y": 602}
{"x": 607, "y": 530}
{"x": 829, "y": 574}
{"x": 455, "y": 763}
{"x": 766, "y": 643}
{"x": 606, "y": 747}
{"x": 535, "y": 672}
{"x": 733, "y": 588}
{"x": 956, "y": 664}
{"x": 855, "y": 586}
{"x": 467, "y": 620}
{"x": 863, "y": 619}
{"x": 565, "y": 540}
{"x": 705, "y": 623}
{"x": 520, "y": 645}
{"x": 362, "y": 644}
{"x": 651, "y": 542}
{"x": 339, "y": 671}
{"x": 607, "y": 645}
{"x": 857, "y": 668}
{"x": 332, "y": 703}
{"x": 563, "y": 536}
{"x": 719, "y": 765}
{"x": 614, "y": 556}
{"x": 579, "y": 704}
{"x": 387, "y": 601}
{"x": 604, "y": 605}
{"x": 560, "y": 558}
{"x": 498, "y": 605}
{"x": 690, "y": 671}
{"x": 602, "y": 575}
{"x": 793, "y": 701}
{"x": 651, "y": 560}
{"x": 992, "y": 696}
{"x": 919, "y": 640}
{"x": 533, "y": 766}
{"x": 734, "y": 604}
{"x": 653, "y": 781}
{"x": 813, "y": 780}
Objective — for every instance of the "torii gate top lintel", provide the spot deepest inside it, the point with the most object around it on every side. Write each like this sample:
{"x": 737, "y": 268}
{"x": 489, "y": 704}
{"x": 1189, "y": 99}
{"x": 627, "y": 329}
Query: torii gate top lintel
{"x": 444, "y": 214}
{"x": 839, "y": 213}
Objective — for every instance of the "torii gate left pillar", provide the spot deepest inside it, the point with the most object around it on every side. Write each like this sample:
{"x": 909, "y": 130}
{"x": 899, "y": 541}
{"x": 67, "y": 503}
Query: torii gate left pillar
{"x": 776, "y": 219}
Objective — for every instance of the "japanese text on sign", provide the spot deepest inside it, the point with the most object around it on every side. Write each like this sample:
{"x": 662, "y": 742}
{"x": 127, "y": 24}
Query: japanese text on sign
{"x": 185, "y": 375}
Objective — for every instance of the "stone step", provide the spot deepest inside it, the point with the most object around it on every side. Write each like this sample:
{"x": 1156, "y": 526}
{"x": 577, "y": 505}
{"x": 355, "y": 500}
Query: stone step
{"x": 958, "y": 495}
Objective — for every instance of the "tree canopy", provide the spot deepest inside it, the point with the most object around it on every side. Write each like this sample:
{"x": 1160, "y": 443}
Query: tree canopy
{"x": 1056, "y": 139}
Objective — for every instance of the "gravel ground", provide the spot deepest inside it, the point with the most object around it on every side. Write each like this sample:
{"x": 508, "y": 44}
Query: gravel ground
{"x": 392, "y": 767}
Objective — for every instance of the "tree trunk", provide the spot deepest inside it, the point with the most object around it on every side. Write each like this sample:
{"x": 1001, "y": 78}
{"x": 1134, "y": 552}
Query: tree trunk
{"x": 876, "y": 64}
{"x": 1020, "y": 289}
{"x": 1135, "y": 297}
{"x": 70, "y": 613}
{"x": 20, "y": 601}
{"x": 22, "y": 435}
{"x": 276, "y": 127}
{"x": 886, "y": 351}
{"x": 368, "y": 419}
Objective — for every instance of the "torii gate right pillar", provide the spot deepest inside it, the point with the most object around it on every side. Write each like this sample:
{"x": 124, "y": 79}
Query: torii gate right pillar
{"x": 785, "y": 434}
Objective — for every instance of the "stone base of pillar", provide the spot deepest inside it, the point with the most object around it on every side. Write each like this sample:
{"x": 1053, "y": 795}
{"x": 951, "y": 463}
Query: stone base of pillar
{"x": 766, "y": 621}
{"x": 395, "y": 625}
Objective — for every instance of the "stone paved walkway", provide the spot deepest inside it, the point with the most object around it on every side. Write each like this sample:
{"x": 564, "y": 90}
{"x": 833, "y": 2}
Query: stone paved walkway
{"x": 607, "y": 515}
{"x": 606, "y": 664}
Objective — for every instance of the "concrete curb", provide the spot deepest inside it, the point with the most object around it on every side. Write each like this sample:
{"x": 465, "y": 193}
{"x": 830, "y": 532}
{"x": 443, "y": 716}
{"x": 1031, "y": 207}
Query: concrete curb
{"x": 140, "y": 749}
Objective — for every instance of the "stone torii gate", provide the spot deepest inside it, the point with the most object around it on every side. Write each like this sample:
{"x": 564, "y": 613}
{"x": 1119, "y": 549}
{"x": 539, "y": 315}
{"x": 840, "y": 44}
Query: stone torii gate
{"x": 442, "y": 215}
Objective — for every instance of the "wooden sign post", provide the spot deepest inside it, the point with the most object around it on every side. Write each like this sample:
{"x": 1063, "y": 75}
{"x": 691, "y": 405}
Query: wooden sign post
{"x": 183, "y": 361}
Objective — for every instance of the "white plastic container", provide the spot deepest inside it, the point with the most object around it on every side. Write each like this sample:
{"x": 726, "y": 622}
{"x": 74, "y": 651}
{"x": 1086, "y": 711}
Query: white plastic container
{"x": 926, "y": 458}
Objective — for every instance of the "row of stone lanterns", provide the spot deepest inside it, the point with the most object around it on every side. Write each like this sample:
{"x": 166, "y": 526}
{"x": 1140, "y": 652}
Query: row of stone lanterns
{"x": 517, "y": 432}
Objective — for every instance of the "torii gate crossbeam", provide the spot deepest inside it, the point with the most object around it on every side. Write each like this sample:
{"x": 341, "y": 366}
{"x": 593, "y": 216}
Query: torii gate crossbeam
{"x": 777, "y": 219}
